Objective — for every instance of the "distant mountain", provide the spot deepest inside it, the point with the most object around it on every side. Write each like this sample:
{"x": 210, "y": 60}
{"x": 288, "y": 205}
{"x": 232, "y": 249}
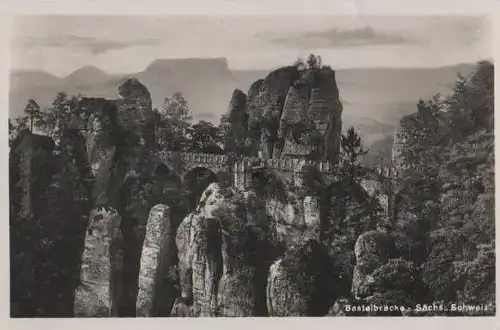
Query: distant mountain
{"x": 32, "y": 78}
{"x": 374, "y": 99}
{"x": 86, "y": 76}
{"x": 207, "y": 84}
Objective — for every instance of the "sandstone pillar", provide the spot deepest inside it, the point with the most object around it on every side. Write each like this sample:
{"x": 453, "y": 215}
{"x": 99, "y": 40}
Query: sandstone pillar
{"x": 155, "y": 264}
{"x": 99, "y": 293}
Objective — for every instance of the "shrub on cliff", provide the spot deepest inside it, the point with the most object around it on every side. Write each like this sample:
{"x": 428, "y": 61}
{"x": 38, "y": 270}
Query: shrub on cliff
{"x": 205, "y": 138}
{"x": 310, "y": 271}
{"x": 351, "y": 155}
{"x": 246, "y": 231}
{"x": 399, "y": 274}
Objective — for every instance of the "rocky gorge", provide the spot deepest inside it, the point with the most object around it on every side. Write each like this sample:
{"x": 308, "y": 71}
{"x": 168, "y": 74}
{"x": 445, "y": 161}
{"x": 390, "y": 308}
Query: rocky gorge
{"x": 101, "y": 227}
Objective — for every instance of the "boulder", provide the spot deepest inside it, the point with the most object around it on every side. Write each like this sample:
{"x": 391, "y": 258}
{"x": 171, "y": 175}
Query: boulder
{"x": 372, "y": 249}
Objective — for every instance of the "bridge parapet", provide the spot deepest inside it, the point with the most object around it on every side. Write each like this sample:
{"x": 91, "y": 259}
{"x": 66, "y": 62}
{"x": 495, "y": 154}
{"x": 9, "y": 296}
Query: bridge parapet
{"x": 204, "y": 158}
{"x": 296, "y": 165}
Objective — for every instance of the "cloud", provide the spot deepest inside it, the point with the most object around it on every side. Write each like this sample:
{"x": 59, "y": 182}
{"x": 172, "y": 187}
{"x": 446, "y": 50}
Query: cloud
{"x": 334, "y": 37}
{"x": 91, "y": 45}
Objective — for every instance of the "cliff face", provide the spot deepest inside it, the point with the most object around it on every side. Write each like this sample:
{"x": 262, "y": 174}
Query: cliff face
{"x": 157, "y": 285}
{"x": 295, "y": 220}
{"x": 222, "y": 263}
{"x": 294, "y": 113}
{"x": 301, "y": 282}
{"x": 238, "y": 121}
{"x": 29, "y": 212}
{"x": 372, "y": 250}
{"x": 135, "y": 111}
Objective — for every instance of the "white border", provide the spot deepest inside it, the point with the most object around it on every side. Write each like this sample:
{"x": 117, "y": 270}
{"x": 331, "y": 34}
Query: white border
{"x": 225, "y": 7}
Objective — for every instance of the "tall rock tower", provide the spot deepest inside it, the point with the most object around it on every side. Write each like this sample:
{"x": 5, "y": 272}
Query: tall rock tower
{"x": 294, "y": 113}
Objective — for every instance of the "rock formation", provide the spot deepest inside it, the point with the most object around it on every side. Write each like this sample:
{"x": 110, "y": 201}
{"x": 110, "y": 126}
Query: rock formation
{"x": 372, "y": 249}
{"x": 102, "y": 132}
{"x": 286, "y": 100}
{"x": 135, "y": 111}
{"x": 415, "y": 132}
{"x": 295, "y": 220}
{"x": 99, "y": 293}
{"x": 156, "y": 293}
{"x": 300, "y": 284}
{"x": 31, "y": 165}
{"x": 238, "y": 121}
{"x": 219, "y": 271}
{"x": 220, "y": 260}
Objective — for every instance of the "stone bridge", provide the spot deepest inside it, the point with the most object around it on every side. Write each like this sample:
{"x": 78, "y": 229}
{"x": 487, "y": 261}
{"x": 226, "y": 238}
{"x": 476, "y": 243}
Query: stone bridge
{"x": 239, "y": 173}
{"x": 184, "y": 162}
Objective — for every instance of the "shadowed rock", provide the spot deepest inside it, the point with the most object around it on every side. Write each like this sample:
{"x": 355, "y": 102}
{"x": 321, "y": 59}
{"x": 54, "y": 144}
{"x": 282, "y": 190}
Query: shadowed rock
{"x": 135, "y": 114}
{"x": 31, "y": 165}
{"x": 102, "y": 131}
{"x": 238, "y": 119}
{"x": 221, "y": 264}
{"x": 296, "y": 220}
{"x": 295, "y": 113}
{"x": 372, "y": 249}
{"x": 99, "y": 293}
{"x": 301, "y": 283}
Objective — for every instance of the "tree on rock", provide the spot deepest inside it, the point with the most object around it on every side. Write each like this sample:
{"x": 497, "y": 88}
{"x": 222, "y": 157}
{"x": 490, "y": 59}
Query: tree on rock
{"x": 352, "y": 152}
{"x": 32, "y": 110}
{"x": 205, "y": 138}
{"x": 314, "y": 62}
{"x": 174, "y": 120}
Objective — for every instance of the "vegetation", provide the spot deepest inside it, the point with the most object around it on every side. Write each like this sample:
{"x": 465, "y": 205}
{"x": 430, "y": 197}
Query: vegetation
{"x": 175, "y": 131}
{"x": 442, "y": 218}
{"x": 312, "y": 62}
{"x": 444, "y": 203}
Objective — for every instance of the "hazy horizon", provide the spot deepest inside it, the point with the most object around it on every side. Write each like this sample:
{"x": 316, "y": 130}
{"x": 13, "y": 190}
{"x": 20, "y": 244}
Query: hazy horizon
{"x": 60, "y": 45}
{"x": 255, "y": 69}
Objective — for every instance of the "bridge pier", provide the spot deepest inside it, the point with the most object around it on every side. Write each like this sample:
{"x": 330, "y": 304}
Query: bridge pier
{"x": 242, "y": 173}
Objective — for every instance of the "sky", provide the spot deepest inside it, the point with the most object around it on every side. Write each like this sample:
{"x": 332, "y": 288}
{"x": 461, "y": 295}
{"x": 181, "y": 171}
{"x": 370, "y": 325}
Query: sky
{"x": 126, "y": 44}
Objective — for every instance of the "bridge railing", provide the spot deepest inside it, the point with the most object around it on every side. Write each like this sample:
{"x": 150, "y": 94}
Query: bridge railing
{"x": 197, "y": 157}
{"x": 280, "y": 164}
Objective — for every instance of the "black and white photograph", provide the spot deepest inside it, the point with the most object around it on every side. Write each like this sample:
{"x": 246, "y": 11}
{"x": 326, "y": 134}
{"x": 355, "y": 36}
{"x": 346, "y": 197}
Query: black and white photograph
{"x": 251, "y": 166}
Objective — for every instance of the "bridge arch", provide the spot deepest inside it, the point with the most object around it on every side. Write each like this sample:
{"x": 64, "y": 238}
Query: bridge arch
{"x": 195, "y": 181}
{"x": 269, "y": 182}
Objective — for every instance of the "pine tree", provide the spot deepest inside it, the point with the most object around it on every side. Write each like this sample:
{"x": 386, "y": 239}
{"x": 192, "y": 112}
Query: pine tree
{"x": 32, "y": 110}
{"x": 351, "y": 153}
{"x": 175, "y": 118}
